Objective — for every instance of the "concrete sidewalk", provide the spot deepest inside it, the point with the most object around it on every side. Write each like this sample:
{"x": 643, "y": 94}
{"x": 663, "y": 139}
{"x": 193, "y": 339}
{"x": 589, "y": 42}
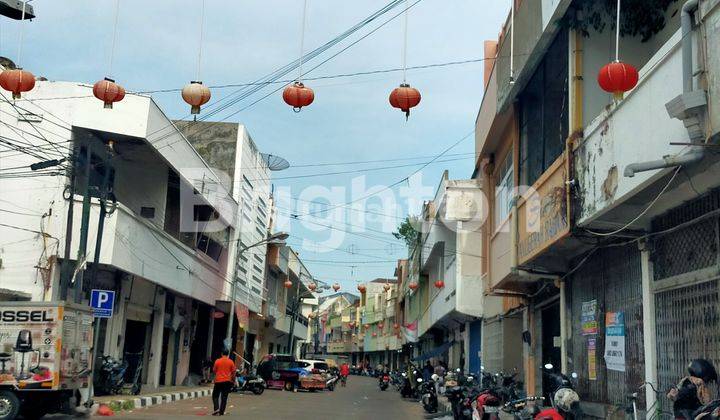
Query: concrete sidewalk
{"x": 161, "y": 396}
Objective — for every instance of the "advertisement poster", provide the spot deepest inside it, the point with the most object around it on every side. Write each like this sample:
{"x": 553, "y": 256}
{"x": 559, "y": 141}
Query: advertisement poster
{"x": 615, "y": 341}
{"x": 588, "y": 318}
{"x": 592, "y": 359}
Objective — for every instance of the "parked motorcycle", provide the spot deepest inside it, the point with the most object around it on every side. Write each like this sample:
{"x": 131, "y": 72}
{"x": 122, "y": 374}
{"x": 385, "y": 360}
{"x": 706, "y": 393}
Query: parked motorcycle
{"x": 116, "y": 376}
{"x": 252, "y": 383}
{"x": 565, "y": 401}
{"x": 384, "y": 381}
{"x": 409, "y": 388}
{"x": 428, "y": 394}
{"x": 331, "y": 381}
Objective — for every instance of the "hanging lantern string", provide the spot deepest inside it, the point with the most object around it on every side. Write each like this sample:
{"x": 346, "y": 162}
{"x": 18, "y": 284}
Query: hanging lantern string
{"x": 114, "y": 37}
{"x": 200, "y": 46}
{"x": 302, "y": 39}
{"x": 405, "y": 44}
{"x": 20, "y": 36}
{"x": 617, "y": 33}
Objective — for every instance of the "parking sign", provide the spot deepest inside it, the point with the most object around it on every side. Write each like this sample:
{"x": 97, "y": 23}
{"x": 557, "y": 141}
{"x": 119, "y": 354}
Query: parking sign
{"x": 102, "y": 302}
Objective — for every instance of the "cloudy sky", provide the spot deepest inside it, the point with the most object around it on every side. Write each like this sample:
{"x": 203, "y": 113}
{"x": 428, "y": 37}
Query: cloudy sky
{"x": 350, "y": 121}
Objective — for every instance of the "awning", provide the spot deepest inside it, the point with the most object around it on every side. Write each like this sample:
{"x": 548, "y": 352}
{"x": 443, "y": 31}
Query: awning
{"x": 437, "y": 351}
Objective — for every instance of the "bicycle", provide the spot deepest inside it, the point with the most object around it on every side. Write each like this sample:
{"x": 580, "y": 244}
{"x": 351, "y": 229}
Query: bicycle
{"x": 655, "y": 411}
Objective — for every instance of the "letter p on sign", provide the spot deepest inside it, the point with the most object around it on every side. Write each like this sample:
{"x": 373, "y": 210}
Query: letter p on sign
{"x": 102, "y": 302}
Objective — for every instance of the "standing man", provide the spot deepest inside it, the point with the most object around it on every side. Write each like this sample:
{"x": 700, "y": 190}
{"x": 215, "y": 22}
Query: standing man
{"x": 344, "y": 372}
{"x": 224, "y": 369}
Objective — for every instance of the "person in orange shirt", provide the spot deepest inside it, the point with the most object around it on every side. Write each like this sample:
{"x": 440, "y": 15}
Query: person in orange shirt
{"x": 224, "y": 369}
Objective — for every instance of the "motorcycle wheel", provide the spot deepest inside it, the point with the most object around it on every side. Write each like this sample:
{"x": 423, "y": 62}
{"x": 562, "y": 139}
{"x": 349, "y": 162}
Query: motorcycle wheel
{"x": 136, "y": 389}
{"x": 258, "y": 389}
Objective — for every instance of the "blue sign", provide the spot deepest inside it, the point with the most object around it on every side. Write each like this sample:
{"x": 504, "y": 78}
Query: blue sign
{"x": 102, "y": 302}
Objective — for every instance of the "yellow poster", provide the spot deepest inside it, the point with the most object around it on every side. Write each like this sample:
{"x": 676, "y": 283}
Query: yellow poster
{"x": 592, "y": 360}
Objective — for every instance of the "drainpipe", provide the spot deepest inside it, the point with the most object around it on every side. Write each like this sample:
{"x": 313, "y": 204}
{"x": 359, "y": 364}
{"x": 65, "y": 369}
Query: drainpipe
{"x": 666, "y": 162}
{"x": 687, "y": 107}
{"x": 688, "y": 9}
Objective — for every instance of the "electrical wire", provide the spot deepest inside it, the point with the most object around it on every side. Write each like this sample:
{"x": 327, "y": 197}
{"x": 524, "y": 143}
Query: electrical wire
{"x": 642, "y": 213}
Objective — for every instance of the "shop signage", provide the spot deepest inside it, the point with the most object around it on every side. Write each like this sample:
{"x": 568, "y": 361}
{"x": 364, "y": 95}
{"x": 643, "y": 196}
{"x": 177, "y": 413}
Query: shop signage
{"x": 615, "y": 341}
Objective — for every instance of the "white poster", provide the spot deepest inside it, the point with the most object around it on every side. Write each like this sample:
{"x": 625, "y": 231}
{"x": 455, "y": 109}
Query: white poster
{"x": 615, "y": 341}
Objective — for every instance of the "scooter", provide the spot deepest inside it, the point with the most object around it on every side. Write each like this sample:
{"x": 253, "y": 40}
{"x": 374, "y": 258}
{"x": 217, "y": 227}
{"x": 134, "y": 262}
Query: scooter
{"x": 428, "y": 394}
{"x": 565, "y": 401}
{"x": 112, "y": 375}
{"x": 252, "y": 383}
{"x": 409, "y": 389}
{"x": 384, "y": 381}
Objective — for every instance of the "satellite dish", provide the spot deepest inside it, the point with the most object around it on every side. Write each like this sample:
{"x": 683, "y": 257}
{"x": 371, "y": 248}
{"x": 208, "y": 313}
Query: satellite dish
{"x": 275, "y": 163}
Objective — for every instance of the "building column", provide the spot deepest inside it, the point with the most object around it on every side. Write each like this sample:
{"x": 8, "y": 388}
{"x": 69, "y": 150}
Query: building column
{"x": 563, "y": 328}
{"x": 115, "y": 334}
{"x": 158, "y": 327}
{"x": 211, "y": 337}
{"x": 649, "y": 331}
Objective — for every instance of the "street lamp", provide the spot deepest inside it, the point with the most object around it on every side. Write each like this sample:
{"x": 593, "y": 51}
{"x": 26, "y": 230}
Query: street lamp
{"x": 274, "y": 239}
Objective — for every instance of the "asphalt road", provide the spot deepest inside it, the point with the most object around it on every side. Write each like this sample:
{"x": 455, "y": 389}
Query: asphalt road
{"x": 361, "y": 399}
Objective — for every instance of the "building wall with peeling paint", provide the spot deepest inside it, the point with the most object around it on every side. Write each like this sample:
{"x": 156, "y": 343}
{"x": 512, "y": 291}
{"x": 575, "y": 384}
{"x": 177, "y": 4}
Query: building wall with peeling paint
{"x": 636, "y": 129}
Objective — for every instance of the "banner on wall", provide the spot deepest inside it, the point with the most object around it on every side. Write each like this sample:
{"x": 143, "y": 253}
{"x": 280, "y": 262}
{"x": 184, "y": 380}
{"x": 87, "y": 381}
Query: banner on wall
{"x": 588, "y": 318}
{"x": 615, "y": 341}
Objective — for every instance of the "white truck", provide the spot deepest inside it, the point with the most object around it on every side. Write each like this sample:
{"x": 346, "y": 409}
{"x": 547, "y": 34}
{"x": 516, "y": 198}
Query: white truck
{"x": 45, "y": 358}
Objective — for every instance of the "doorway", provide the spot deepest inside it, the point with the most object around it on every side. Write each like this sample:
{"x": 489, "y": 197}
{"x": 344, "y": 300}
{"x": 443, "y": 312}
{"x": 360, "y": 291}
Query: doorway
{"x": 550, "y": 341}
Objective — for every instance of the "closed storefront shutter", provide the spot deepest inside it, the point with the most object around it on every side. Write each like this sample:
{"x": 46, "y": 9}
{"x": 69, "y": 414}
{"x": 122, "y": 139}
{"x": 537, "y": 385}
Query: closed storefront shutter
{"x": 611, "y": 277}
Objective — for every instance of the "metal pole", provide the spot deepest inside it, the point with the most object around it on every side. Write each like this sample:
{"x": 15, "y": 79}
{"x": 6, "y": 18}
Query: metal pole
{"x": 101, "y": 222}
{"x": 293, "y": 309}
{"x": 85, "y": 222}
{"x": 96, "y": 335}
{"x": 65, "y": 267}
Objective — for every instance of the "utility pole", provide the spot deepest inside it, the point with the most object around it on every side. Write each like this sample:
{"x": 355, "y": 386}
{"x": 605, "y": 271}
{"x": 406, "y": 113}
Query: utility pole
{"x": 104, "y": 190}
{"x": 65, "y": 268}
{"x": 275, "y": 239}
{"x": 84, "y": 224}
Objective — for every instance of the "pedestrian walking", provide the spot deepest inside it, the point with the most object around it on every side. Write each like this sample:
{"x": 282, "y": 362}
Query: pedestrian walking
{"x": 344, "y": 372}
{"x": 224, "y": 369}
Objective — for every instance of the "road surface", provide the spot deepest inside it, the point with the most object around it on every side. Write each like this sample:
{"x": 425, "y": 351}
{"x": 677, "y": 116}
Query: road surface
{"x": 361, "y": 399}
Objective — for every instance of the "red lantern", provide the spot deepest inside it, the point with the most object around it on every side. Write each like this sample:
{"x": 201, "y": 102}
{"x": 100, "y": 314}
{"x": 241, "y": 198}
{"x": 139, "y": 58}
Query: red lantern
{"x": 298, "y": 96}
{"x": 439, "y": 284}
{"x": 617, "y": 78}
{"x": 381, "y": 325}
{"x": 367, "y": 326}
{"x": 405, "y": 97}
{"x": 287, "y": 284}
{"x": 413, "y": 286}
{"x": 17, "y": 81}
{"x": 108, "y": 91}
{"x": 336, "y": 286}
{"x": 195, "y": 94}
{"x": 386, "y": 287}
{"x": 374, "y": 334}
{"x": 396, "y": 326}
{"x": 312, "y": 287}
{"x": 361, "y": 288}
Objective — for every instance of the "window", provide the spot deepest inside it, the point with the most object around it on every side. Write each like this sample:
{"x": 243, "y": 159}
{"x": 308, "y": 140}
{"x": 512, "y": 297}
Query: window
{"x": 544, "y": 113}
{"x": 504, "y": 190}
{"x": 247, "y": 183}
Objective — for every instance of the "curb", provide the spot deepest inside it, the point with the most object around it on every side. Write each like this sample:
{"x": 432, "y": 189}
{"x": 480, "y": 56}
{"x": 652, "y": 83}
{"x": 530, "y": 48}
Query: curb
{"x": 141, "y": 402}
